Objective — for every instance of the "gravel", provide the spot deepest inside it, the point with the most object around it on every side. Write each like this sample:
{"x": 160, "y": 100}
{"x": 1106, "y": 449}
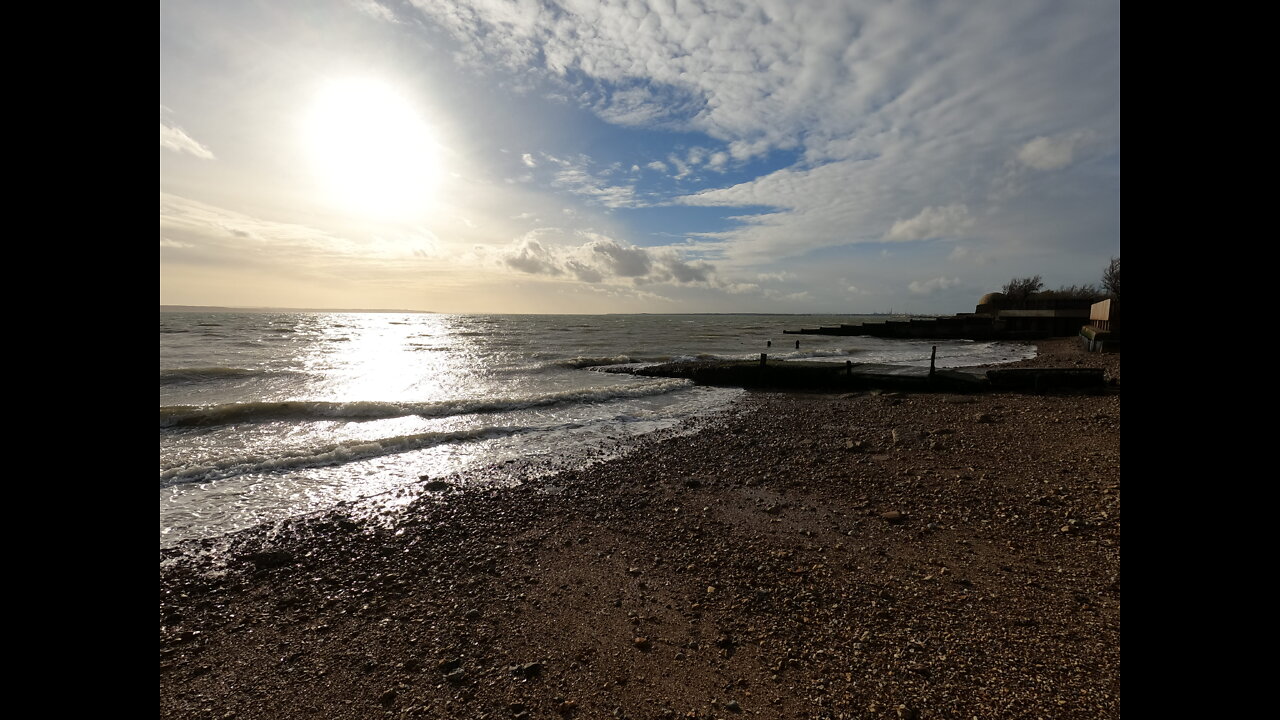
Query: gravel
{"x": 789, "y": 560}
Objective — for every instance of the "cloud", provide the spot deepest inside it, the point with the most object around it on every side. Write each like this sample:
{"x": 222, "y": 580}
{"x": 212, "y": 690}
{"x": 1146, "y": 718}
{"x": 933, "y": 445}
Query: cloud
{"x": 964, "y": 253}
{"x": 175, "y": 139}
{"x": 1052, "y": 153}
{"x": 620, "y": 260}
{"x": 528, "y": 160}
{"x": 682, "y": 167}
{"x": 601, "y": 259}
{"x": 375, "y": 10}
{"x": 778, "y": 277}
{"x": 227, "y": 233}
{"x": 932, "y": 222}
{"x": 575, "y": 175}
{"x": 887, "y": 107}
{"x": 928, "y": 287}
{"x": 529, "y": 255}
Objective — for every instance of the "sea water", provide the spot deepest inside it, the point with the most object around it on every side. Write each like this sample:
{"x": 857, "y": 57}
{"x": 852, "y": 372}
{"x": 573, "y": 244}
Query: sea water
{"x": 265, "y": 416}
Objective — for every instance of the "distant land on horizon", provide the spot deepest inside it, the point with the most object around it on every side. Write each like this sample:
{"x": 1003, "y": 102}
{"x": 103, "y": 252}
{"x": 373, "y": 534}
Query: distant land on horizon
{"x": 224, "y": 308}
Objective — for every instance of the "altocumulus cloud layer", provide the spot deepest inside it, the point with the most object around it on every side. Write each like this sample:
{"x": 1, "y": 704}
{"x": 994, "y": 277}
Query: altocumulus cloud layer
{"x": 805, "y": 154}
{"x": 910, "y": 118}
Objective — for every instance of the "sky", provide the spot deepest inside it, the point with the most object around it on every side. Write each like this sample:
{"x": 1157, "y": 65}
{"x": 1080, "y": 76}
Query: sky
{"x": 664, "y": 156}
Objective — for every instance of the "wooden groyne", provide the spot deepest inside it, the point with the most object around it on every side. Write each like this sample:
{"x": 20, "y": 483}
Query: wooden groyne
{"x": 966, "y": 326}
{"x": 835, "y": 377}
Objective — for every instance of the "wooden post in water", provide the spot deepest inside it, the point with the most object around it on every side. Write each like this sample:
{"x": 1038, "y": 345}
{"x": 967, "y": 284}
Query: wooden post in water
{"x": 764, "y": 357}
{"x": 848, "y": 368}
{"x": 932, "y": 357}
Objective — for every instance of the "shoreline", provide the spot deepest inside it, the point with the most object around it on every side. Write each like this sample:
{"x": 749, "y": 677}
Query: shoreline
{"x": 861, "y": 555}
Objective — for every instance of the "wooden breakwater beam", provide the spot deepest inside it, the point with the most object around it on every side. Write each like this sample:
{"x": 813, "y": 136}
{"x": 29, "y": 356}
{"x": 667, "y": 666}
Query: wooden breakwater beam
{"x": 849, "y": 376}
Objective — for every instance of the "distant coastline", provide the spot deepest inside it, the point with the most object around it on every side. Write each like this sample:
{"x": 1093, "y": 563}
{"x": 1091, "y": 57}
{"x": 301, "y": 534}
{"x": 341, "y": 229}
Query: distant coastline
{"x": 220, "y": 308}
{"x": 223, "y": 308}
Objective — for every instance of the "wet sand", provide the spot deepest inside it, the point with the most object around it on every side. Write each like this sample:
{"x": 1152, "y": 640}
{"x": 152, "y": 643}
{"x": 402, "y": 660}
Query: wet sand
{"x": 806, "y": 556}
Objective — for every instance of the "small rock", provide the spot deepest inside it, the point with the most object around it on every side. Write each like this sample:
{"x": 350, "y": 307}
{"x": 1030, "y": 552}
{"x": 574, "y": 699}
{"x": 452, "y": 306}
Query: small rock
{"x": 733, "y": 706}
{"x": 271, "y": 559}
{"x": 388, "y": 697}
{"x": 641, "y": 643}
{"x": 436, "y": 485}
{"x": 527, "y": 669}
{"x": 893, "y": 516}
{"x": 983, "y": 418}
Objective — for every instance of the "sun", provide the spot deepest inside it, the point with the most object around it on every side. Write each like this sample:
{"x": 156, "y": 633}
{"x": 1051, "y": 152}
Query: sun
{"x": 372, "y": 150}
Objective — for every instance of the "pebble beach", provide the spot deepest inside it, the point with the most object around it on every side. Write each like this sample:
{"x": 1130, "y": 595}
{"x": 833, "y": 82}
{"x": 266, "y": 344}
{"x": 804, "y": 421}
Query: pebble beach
{"x": 868, "y": 555}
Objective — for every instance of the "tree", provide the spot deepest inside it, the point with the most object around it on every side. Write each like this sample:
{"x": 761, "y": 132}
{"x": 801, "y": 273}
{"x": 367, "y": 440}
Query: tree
{"x": 1074, "y": 292}
{"x": 1018, "y": 289}
{"x": 1111, "y": 278}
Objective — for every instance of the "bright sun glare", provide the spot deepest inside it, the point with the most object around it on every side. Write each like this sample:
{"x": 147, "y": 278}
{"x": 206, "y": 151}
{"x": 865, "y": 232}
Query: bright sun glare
{"x": 370, "y": 147}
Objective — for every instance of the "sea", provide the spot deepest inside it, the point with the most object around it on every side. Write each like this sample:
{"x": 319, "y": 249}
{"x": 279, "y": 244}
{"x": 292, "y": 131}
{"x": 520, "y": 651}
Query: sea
{"x": 272, "y": 415}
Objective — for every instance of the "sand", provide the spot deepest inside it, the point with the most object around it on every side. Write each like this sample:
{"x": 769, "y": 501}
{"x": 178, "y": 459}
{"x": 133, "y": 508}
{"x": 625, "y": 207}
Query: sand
{"x": 806, "y": 556}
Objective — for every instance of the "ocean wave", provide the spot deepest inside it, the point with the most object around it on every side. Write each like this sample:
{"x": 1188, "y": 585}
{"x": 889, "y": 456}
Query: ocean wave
{"x": 585, "y": 362}
{"x": 812, "y": 354}
{"x": 174, "y": 376}
{"x": 326, "y": 455}
{"x": 303, "y": 410}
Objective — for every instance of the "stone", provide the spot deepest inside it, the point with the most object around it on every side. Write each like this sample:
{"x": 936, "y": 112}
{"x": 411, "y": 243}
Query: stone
{"x": 893, "y": 516}
{"x": 528, "y": 670}
{"x": 271, "y": 559}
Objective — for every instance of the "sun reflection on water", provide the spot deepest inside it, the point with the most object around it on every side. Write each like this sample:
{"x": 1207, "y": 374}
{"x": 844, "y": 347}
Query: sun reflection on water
{"x": 392, "y": 358}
